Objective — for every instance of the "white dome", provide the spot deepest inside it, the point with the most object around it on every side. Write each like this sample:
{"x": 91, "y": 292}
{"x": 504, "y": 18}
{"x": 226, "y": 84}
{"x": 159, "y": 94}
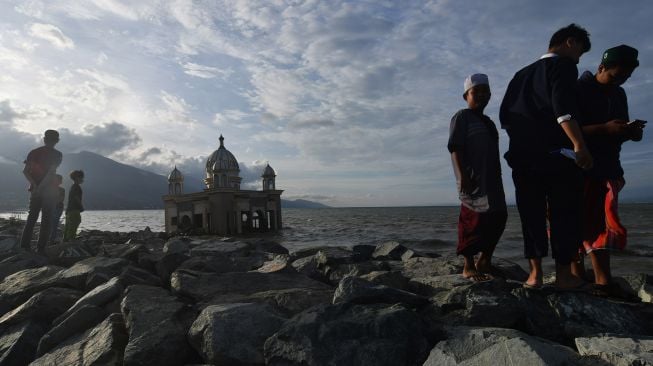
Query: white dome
{"x": 175, "y": 176}
{"x": 222, "y": 160}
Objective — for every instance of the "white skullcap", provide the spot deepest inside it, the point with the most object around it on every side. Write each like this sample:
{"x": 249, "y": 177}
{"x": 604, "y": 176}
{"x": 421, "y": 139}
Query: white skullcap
{"x": 475, "y": 79}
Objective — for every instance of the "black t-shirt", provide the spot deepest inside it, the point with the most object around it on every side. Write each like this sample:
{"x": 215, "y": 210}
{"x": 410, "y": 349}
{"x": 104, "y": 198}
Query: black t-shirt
{"x": 75, "y": 198}
{"x": 599, "y": 104}
{"x": 537, "y": 95}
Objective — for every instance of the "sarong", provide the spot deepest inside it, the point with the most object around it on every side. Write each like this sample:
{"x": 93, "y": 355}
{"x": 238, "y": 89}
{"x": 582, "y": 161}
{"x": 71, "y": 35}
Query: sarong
{"x": 601, "y": 226}
{"x": 479, "y": 231}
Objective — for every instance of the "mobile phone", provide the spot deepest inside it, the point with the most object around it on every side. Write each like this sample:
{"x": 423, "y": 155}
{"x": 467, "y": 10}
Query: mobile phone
{"x": 637, "y": 121}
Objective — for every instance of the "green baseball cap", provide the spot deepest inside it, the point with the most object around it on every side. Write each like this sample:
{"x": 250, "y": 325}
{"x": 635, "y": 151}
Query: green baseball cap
{"x": 621, "y": 55}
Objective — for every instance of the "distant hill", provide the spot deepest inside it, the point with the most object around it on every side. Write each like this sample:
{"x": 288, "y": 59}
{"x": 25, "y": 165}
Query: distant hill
{"x": 108, "y": 185}
{"x": 302, "y": 204}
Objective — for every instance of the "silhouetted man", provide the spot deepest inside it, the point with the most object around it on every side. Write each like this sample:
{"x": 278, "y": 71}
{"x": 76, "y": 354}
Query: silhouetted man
{"x": 40, "y": 169}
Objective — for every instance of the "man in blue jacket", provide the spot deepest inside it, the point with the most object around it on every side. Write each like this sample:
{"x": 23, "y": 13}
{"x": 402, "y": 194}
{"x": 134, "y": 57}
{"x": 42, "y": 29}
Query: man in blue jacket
{"x": 546, "y": 154}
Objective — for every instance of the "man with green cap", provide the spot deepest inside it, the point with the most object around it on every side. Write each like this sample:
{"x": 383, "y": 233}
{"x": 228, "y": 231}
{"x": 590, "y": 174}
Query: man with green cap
{"x": 604, "y": 119}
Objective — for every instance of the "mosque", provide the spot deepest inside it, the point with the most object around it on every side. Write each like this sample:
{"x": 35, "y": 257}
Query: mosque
{"x": 222, "y": 208}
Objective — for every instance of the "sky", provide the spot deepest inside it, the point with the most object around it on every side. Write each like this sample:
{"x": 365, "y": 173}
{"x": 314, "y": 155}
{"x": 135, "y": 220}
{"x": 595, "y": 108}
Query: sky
{"x": 349, "y": 101}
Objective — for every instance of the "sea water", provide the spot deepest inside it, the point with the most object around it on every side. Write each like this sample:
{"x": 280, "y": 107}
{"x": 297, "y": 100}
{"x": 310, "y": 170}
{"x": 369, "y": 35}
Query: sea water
{"x": 421, "y": 228}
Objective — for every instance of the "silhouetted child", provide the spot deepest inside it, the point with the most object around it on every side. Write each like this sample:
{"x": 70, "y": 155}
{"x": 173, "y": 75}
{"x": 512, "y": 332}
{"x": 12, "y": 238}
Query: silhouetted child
{"x": 474, "y": 147}
{"x": 75, "y": 207}
{"x": 58, "y": 208}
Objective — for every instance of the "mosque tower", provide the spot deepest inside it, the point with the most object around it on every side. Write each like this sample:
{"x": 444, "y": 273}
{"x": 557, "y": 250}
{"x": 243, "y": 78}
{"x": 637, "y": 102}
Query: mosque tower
{"x": 268, "y": 179}
{"x": 222, "y": 170}
{"x": 175, "y": 182}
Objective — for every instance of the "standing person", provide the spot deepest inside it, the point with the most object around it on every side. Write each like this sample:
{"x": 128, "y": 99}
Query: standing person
{"x": 58, "y": 208}
{"x": 545, "y": 153}
{"x": 474, "y": 147}
{"x": 75, "y": 207}
{"x": 40, "y": 168}
{"x": 604, "y": 117}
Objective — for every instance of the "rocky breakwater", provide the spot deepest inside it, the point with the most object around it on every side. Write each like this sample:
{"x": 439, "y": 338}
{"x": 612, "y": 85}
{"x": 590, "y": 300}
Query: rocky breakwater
{"x": 143, "y": 299}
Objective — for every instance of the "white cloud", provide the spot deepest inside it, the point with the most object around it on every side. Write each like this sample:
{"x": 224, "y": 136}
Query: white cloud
{"x": 51, "y": 34}
{"x": 205, "y": 72}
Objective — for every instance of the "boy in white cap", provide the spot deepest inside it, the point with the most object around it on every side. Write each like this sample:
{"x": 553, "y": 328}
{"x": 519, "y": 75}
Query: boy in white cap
{"x": 474, "y": 147}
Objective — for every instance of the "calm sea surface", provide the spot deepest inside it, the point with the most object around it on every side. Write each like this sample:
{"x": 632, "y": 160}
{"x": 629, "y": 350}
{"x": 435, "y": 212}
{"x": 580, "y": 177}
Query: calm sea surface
{"x": 427, "y": 228}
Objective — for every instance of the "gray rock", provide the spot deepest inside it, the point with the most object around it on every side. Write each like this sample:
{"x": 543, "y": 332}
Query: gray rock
{"x": 223, "y": 263}
{"x": 359, "y": 291}
{"x": 498, "y": 346}
{"x": 290, "y": 302}
{"x": 277, "y": 264}
{"x": 99, "y": 297}
{"x": 19, "y": 262}
{"x": 224, "y": 287}
{"x": 363, "y": 252}
{"x": 348, "y": 334}
{"x": 17, "y": 288}
{"x": 77, "y": 275}
{"x": 640, "y": 285}
{"x": 430, "y": 267}
{"x": 18, "y": 343}
{"x": 333, "y": 273}
{"x": 487, "y": 304}
{"x": 565, "y": 316}
{"x": 80, "y": 320}
{"x": 177, "y": 245}
{"x": 7, "y": 245}
{"x": 309, "y": 252}
{"x": 390, "y": 250}
{"x": 618, "y": 350}
{"x": 136, "y": 276}
{"x": 210, "y": 248}
{"x": 267, "y": 246}
{"x": 335, "y": 256}
{"x": 234, "y": 334}
{"x": 42, "y": 307}
{"x": 102, "y": 345}
{"x": 167, "y": 264}
{"x": 387, "y": 278}
{"x": 433, "y": 285}
{"x": 308, "y": 266}
{"x": 155, "y": 322}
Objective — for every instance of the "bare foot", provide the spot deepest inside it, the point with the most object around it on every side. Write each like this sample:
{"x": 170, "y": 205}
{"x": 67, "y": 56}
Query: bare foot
{"x": 476, "y": 276}
{"x": 484, "y": 265}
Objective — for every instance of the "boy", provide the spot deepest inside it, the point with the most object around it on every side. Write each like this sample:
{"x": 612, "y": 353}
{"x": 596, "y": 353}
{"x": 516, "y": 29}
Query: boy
{"x": 58, "y": 208}
{"x": 604, "y": 115}
{"x": 474, "y": 147}
{"x": 75, "y": 207}
{"x": 538, "y": 113}
{"x": 40, "y": 167}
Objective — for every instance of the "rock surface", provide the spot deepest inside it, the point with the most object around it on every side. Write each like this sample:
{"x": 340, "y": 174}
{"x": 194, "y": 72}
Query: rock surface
{"x": 618, "y": 350}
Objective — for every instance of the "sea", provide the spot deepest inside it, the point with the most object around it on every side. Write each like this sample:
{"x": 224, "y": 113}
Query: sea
{"x": 420, "y": 228}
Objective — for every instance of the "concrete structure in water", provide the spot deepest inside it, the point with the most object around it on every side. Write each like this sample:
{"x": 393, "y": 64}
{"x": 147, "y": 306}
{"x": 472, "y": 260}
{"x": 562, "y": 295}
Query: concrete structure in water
{"x": 222, "y": 208}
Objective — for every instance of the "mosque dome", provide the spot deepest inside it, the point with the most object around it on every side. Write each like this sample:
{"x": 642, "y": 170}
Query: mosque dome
{"x": 175, "y": 175}
{"x": 221, "y": 160}
{"x": 269, "y": 172}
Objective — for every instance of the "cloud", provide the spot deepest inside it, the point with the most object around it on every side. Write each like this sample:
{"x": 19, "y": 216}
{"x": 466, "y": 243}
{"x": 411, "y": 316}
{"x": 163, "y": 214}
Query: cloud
{"x": 105, "y": 139}
{"x": 205, "y": 72}
{"x": 51, "y": 34}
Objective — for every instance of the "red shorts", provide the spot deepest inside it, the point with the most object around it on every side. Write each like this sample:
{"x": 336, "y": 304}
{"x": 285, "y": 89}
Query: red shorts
{"x": 601, "y": 226}
{"x": 479, "y": 231}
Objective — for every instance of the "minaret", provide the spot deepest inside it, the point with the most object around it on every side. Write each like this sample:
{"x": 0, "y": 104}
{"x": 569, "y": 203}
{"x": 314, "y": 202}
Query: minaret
{"x": 268, "y": 179}
{"x": 175, "y": 182}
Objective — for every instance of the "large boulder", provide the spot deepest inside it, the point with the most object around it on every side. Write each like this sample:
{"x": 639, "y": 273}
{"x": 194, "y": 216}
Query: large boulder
{"x": 357, "y": 290}
{"x": 618, "y": 350}
{"x": 234, "y": 334}
{"x": 19, "y": 262}
{"x": 17, "y": 288}
{"x": 349, "y": 334}
{"x": 155, "y": 321}
{"x": 78, "y": 321}
{"x": 99, "y": 297}
{"x": 292, "y": 301}
{"x": 102, "y": 345}
{"x": 267, "y": 246}
{"x": 18, "y": 343}
{"x": 43, "y": 307}
{"x": 498, "y": 346}
{"x": 334, "y": 256}
{"x": 8, "y": 244}
{"x": 211, "y": 247}
{"x": 390, "y": 250}
{"x": 333, "y": 273}
{"x": 222, "y": 263}
{"x": 640, "y": 285}
{"x": 564, "y": 316}
{"x": 231, "y": 287}
{"x": 78, "y": 275}
{"x": 177, "y": 245}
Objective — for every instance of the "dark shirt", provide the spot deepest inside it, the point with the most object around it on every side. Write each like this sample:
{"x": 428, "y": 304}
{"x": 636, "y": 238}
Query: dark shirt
{"x": 40, "y": 161}
{"x": 599, "y": 104}
{"x": 75, "y": 198}
{"x": 537, "y": 95}
{"x": 476, "y": 137}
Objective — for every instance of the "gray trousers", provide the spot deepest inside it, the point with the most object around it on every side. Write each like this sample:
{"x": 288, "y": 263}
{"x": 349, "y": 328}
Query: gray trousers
{"x": 39, "y": 202}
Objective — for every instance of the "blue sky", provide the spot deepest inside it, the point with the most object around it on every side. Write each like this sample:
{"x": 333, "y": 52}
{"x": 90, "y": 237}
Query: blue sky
{"x": 349, "y": 101}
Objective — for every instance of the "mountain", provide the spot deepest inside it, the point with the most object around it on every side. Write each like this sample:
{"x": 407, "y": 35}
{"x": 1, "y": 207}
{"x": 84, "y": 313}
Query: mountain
{"x": 302, "y": 204}
{"x": 108, "y": 185}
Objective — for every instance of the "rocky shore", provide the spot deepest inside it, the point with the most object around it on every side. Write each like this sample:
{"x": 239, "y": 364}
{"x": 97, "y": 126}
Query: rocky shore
{"x": 142, "y": 298}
